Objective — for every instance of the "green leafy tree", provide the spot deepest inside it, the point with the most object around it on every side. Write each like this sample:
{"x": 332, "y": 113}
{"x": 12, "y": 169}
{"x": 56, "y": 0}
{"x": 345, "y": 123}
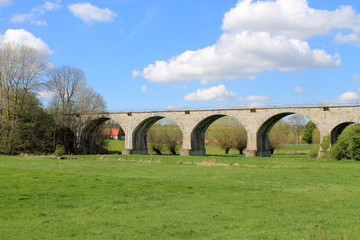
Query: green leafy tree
{"x": 348, "y": 144}
{"x": 21, "y": 69}
{"x": 308, "y": 133}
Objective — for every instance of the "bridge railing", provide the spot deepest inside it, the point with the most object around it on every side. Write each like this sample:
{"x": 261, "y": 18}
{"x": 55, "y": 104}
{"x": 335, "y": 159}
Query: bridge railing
{"x": 240, "y": 106}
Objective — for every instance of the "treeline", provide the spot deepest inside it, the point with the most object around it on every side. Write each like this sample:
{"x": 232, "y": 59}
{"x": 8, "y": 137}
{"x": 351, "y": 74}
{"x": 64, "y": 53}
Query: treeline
{"x": 25, "y": 125}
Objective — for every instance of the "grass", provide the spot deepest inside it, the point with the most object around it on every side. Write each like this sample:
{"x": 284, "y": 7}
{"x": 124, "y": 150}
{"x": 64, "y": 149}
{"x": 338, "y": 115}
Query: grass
{"x": 294, "y": 147}
{"x": 116, "y": 146}
{"x": 170, "y": 197}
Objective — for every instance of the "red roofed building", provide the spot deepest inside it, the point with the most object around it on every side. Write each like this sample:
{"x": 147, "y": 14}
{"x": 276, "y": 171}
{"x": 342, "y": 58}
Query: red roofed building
{"x": 114, "y": 133}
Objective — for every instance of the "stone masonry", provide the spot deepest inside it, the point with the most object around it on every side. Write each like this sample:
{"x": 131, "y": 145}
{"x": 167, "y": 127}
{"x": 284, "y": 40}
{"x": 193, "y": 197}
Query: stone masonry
{"x": 193, "y": 124}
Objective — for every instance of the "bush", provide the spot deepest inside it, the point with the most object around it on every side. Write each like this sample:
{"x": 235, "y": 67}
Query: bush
{"x": 348, "y": 144}
{"x": 59, "y": 151}
{"x": 314, "y": 152}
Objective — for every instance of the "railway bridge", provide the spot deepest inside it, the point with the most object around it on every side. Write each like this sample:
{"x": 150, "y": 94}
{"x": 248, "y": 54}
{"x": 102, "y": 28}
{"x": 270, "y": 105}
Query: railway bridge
{"x": 330, "y": 120}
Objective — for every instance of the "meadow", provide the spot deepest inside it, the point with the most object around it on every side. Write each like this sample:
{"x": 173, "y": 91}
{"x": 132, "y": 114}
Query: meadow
{"x": 179, "y": 197}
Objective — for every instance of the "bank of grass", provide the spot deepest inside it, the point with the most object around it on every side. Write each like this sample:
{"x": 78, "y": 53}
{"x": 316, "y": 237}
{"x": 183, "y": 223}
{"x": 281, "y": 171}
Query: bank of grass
{"x": 171, "y": 197}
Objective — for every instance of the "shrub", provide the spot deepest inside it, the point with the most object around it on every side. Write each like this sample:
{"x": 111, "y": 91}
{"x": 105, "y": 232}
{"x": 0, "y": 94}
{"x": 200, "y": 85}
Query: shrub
{"x": 60, "y": 150}
{"x": 348, "y": 144}
{"x": 314, "y": 152}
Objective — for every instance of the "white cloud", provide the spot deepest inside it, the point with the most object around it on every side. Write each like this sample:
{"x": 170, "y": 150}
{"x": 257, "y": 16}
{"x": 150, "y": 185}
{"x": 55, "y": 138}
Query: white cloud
{"x": 90, "y": 13}
{"x": 5, "y": 3}
{"x": 217, "y": 93}
{"x": 241, "y": 55}
{"x": 35, "y": 13}
{"x": 136, "y": 73}
{"x": 298, "y": 89}
{"x": 256, "y": 98}
{"x": 292, "y": 18}
{"x": 46, "y": 94}
{"x": 144, "y": 88}
{"x": 356, "y": 78}
{"x": 349, "y": 38}
{"x": 347, "y": 97}
{"x": 173, "y": 107}
{"x": 255, "y": 104}
{"x": 259, "y": 36}
{"x": 23, "y": 37}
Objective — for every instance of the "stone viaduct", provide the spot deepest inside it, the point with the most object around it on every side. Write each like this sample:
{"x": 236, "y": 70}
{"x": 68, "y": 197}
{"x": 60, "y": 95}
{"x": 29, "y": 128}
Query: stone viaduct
{"x": 330, "y": 120}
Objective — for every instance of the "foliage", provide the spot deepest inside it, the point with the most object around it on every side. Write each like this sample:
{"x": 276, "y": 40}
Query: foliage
{"x": 278, "y": 135}
{"x": 325, "y": 145}
{"x": 348, "y": 144}
{"x": 239, "y": 138}
{"x": 60, "y": 151}
{"x": 168, "y": 136}
{"x": 224, "y": 138}
{"x": 33, "y": 130}
{"x": 21, "y": 68}
{"x": 308, "y": 133}
{"x": 316, "y": 136}
{"x": 156, "y": 138}
{"x": 72, "y": 95}
{"x": 314, "y": 152}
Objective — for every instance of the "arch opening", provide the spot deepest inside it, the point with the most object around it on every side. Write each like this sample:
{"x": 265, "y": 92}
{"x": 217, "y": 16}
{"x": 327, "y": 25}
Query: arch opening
{"x": 286, "y": 128}
{"x": 218, "y": 133}
{"x": 336, "y": 131}
{"x": 102, "y": 135}
{"x": 157, "y": 135}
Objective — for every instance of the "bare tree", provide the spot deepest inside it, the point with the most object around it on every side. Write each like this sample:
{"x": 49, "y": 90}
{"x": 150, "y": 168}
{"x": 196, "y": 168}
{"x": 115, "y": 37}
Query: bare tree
{"x": 65, "y": 82}
{"x": 21, "y": 68}
{"x": 224, "y": 138}
{"x": 239, "y": 138}
{"x": 72, "y": 95}
{"x": 278, "y": 135}
{"x": 297, "y": 124}
{"x": 173, "y": 136}
{"x": 155, "y": 138}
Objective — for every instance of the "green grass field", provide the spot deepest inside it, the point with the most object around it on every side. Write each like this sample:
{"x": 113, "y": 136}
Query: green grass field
{"x": 178, "y": 197}
{"x": 115, "y": 146}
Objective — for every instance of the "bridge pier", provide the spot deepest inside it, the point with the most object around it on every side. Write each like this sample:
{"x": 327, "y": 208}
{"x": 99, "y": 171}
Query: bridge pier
{"x": 134, "y": 151}
{"x": 190, "y": 152}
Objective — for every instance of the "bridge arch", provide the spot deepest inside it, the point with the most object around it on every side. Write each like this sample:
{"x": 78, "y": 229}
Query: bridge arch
{"x": 262, "y": 134}
{"x": 87, "y": 137}
{"x": 139, "y": 134}
{"x": 198, "y": 132}
{"x": 336, "y": 131}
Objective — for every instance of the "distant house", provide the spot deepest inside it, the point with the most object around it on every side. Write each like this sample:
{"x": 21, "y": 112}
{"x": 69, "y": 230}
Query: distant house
{"x": 114, "y": 133}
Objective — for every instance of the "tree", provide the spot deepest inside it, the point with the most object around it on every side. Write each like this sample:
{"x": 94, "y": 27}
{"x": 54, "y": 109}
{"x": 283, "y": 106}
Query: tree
{"x": 72, "y": 95}
{"x": 224, "y": 138}
{"x": 308, "y": 133}
{"x": 155, "y": 138}
{"x": 348, "y": 144}
{"x": 278, "y": 135}
{"x": 239, "y": 138}
{"x": 21, "y": 69}
{"x": 296, "y": 123}
{"x": 173, "y": 136}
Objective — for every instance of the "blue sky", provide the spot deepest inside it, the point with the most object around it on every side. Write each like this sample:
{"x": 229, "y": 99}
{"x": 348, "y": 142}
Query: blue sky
{"x": 156, "y": 54}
